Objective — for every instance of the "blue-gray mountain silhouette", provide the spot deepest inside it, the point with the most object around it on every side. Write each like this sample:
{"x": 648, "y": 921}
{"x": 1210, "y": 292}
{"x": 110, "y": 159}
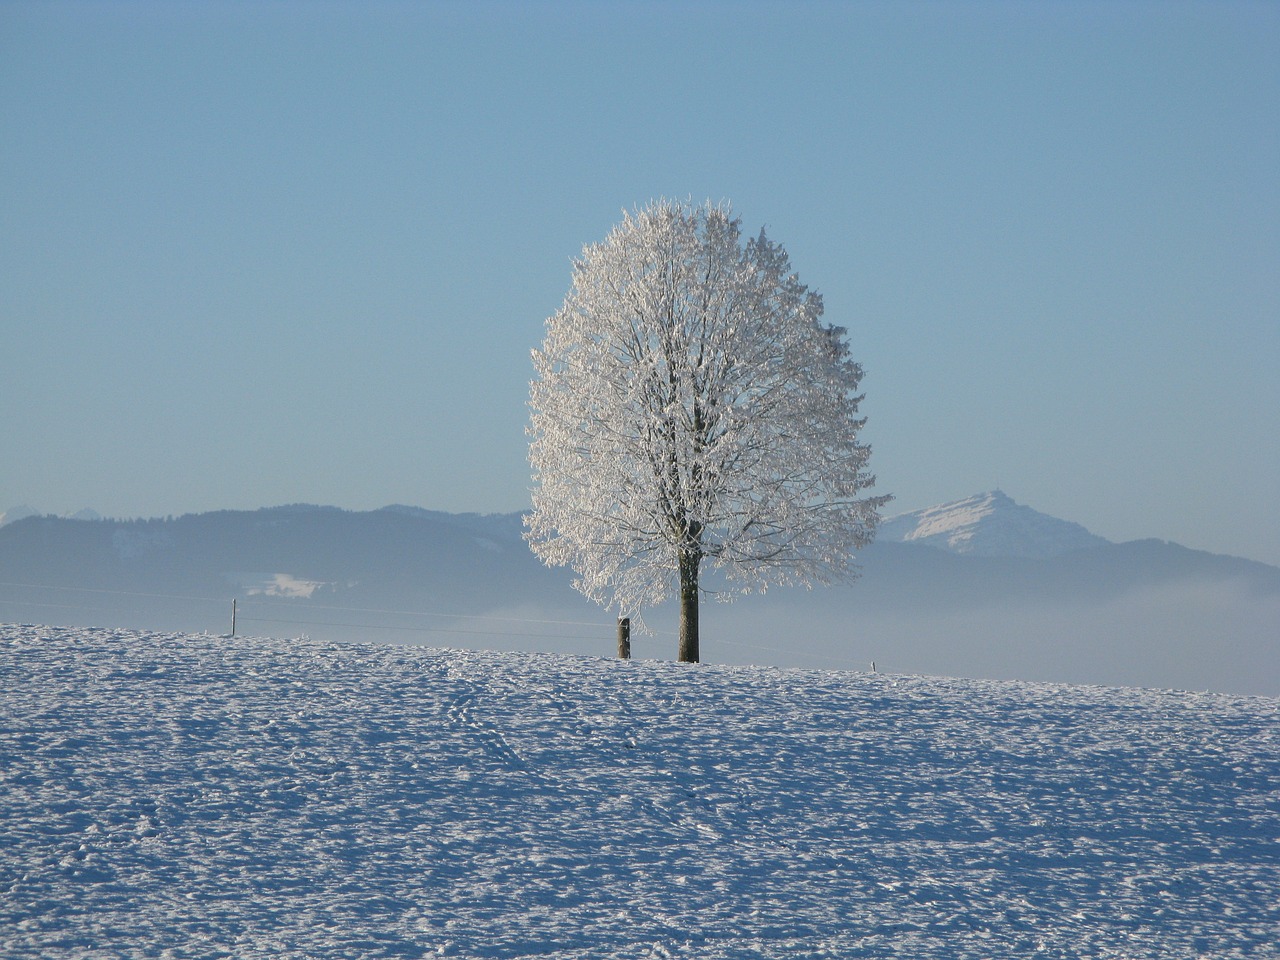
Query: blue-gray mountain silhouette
{"x": 981, "y": 587}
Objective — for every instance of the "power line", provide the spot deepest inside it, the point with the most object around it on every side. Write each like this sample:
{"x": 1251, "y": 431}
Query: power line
{"x": 454, "y": 616}
{"x": 55, "y": 606}
{"x": 117, "y": 593}
{"x": 277, "y": 602}
{"x": 446, "y": 630}
{"x": 265, "y": 601}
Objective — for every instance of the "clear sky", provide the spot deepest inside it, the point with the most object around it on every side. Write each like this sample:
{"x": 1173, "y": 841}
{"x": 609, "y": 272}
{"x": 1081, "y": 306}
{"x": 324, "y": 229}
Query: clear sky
{"x": 264, "y": 253}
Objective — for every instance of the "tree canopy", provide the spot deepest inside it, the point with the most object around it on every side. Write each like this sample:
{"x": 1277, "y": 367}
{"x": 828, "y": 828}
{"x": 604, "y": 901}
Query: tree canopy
{"x": 690, "y": 408}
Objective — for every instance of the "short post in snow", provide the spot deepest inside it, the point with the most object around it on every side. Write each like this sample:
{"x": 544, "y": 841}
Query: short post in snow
{"x": 624, "y": 638}
{"x": 233, "y": 617}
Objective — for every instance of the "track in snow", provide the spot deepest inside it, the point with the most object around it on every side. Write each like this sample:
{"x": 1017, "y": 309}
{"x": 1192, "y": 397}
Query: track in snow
{"x": 193, "y": 796}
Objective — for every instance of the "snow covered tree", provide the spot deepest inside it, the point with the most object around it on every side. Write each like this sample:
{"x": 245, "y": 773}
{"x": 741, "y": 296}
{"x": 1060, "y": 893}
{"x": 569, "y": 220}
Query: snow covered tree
{"x": 689, "y": 409}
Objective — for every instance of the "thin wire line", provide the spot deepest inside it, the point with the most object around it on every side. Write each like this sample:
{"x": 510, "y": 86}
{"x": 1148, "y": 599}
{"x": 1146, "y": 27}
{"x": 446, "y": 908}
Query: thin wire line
{"x": 370, "y": 626}
{"x": 453, "y": 616}
{"x": 117, "y": 593}
{"x": 310, "y": 606}
{"x": 55, "y": 606}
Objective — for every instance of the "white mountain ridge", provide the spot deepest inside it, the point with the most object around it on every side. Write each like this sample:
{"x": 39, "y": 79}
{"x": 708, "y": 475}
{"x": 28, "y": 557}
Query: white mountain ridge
{"x": 22, "y": 511}
{"x": 985, "y": 524}
{"x": 19, "y": 512}
{"x": 989, "y": 524}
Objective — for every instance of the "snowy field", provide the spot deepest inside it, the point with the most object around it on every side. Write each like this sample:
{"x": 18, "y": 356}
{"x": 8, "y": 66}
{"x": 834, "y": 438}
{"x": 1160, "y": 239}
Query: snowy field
{"x": 193, "y": 796}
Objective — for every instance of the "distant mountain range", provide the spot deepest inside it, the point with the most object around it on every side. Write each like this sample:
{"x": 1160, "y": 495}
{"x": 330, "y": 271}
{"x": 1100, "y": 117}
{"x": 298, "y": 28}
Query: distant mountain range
{"x": 23, "y": 511}
{"x": 981, "y": 587}
{"x": 989, "y": 525}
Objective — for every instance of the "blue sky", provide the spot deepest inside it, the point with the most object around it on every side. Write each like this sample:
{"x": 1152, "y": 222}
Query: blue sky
{"x": 255, "y": 254}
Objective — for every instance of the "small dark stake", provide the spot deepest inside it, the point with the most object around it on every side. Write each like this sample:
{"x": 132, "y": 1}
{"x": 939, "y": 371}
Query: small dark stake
{"x": 624, "y": 638}
{"x": 233, "y": 618}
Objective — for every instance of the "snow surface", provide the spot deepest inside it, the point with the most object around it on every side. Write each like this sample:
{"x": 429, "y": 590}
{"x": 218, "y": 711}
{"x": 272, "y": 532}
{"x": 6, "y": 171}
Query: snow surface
{"x": 194, "y": 796}
{"x": 989, "y": 525}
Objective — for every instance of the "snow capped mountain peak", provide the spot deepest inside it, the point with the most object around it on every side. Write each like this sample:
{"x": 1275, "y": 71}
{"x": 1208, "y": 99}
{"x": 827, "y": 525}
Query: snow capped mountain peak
{"x": 988, "y": 524}
{"x": 14, "y": 514}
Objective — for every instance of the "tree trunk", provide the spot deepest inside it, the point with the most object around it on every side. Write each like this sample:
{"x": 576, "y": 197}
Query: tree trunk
{"x": 689, "y": 564}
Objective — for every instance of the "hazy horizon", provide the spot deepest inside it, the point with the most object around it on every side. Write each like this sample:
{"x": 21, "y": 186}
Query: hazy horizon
{"x": 889, "y": 516}
{"x": 265, "y": 254}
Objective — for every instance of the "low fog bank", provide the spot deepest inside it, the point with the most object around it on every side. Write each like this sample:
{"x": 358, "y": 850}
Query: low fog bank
{"x": 1185, "y": 635}
{"x": 1147, "y": 613}
{"x": 1191, "y": 635}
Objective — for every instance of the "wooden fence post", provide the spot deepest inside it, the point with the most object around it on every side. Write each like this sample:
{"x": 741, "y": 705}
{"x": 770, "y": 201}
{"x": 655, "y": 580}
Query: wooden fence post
{"x": 624, "y": 638}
